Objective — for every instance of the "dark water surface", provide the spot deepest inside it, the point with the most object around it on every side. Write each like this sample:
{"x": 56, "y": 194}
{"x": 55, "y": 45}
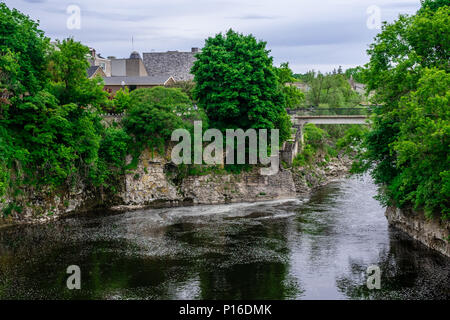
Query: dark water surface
{"x": 290, "y": 249}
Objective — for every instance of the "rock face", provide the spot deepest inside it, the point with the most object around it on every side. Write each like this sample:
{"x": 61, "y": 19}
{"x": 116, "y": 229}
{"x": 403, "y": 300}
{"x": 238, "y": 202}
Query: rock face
{"x": 41, "y": 205}
{"x": 148, "y": 183}
{"x": 433, "y": 233}
{"x": 212, "y": 189}
{"x": 308, "y": 178}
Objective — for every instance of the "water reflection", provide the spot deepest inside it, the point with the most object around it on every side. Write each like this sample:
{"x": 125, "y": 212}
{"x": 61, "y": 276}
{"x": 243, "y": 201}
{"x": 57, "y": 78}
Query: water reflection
{"x": 287, "y": 249}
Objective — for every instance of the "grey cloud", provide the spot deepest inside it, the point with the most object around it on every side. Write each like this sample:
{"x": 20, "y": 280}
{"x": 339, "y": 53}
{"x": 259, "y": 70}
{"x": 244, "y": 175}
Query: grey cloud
{"x": 307, "y": 33}
{"x": 255, "y": 17}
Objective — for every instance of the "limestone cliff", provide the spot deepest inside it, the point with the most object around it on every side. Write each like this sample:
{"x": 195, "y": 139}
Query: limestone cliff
{"x": 434, "y": 233}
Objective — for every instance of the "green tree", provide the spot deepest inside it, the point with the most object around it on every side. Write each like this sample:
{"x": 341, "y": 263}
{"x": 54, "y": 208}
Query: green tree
{"x": 330, "y": 90}
{"x": 400, "y": 62}
{"x": 293, "y": 96}
{"x": 433, "y": 4}
{"x": 50, "y": 133}
{"x": 155, "y": 113}
{"x": 68, "y": 65}
{"x": 355, "y": 73}
{"x": 22, "y": 53}
{"x": 237, "y": 84}
{"x": 121, "y": 100}
{"x": 185, "y": 86}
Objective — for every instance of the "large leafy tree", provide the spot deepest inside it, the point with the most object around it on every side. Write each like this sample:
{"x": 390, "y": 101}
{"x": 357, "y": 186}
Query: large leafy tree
{"x": 407, "y": 61}
{"x": 237, "y": 84}
{"x": 50, "y": 133}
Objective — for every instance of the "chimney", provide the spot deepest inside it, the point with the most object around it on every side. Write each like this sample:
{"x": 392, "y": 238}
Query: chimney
{"x": 194, "y": 50}
{"x": 93, "y": 53}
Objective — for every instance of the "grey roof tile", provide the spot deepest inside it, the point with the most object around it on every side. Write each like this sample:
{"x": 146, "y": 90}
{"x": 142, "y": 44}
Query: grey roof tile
{"x": 171, "y": 63}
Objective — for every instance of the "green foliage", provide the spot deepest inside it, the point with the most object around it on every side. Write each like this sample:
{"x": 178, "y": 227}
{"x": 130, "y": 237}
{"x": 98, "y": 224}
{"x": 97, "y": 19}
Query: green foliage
{"x": 186, "y": 87}
{"x": 433, "y": 4}
{"x": 304, "y": 157}
{"x": 69, "y": 83}
{"x": 330, "y": 90}
{"x": 23, "y": 70}
{"x": 408, "y": 146}
{"x": 352, "y": 141}
{"x": 315, "y": 139}
{"x": 313, "y": 135}
{"x": 355, "y": 73}
{"x": 155, "y": 113}
{"x": 422, "y": 145}
{"x": 50, "y": 134}
{"x": 293, "y": 96}
{"x": 122, "y": 100}
{"x": 237, "y": 84}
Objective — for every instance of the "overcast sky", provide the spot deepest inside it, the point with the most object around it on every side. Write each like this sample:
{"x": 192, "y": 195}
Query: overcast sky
{"x": 309, "y": 34}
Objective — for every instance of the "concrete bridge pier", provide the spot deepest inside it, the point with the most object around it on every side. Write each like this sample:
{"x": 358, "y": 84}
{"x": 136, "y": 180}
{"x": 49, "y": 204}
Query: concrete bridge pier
{"x": 295, "y": 145}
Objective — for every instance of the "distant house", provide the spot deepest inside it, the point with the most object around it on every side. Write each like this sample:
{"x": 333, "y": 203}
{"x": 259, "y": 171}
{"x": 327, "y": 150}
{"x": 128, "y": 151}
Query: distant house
{"x": 94, "y": 71}
{"x": 302, "y": 86}
{"x": 171, "y": 63}
{"x": 97, "y": 60}
{"x": 113, "y": 84}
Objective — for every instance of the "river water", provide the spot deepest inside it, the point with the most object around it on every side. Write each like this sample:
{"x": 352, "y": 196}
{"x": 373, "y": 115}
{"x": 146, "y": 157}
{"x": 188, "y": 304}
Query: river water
{"x": 289, "y": 249}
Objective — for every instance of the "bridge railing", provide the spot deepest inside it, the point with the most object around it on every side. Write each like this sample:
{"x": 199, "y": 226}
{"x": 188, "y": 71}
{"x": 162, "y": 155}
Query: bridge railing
{"x": 314, "y": 111}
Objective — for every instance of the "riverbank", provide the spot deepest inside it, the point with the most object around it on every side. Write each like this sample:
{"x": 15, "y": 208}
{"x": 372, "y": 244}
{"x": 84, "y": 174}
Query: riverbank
{"x": 434, "y": 233}
{"x": 151, "y": 184}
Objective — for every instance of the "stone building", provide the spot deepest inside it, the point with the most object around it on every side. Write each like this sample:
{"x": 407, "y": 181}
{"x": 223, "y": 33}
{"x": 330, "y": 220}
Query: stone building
{"x": 128, "y": 67}
{"x": 171, "y": 63}
{"x": 131, "y": 72}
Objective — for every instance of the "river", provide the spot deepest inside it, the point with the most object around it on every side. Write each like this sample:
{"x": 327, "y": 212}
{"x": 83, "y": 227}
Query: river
{"x": 317, "y": 248}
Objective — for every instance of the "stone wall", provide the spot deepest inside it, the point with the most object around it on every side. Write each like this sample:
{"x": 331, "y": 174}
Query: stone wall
{"x": 434, "y": 233}
{"x": 149, "y": 184}
{"x": 248, "y": 186}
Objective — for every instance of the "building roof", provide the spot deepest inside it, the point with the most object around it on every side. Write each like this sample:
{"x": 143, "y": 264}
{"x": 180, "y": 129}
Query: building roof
{"x": 170, "y": 63}
{"x": 135, "y": 55}
{"x": 92, "y": 70}
{"x": 147, "y": 80}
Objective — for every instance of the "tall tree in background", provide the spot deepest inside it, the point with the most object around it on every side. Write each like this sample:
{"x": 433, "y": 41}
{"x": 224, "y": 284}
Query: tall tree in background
{"x": 408, "y": 146}
{"x": 237, "y": 84}
{"x": 293, "y": 96}
{"x": 330, "y": 90}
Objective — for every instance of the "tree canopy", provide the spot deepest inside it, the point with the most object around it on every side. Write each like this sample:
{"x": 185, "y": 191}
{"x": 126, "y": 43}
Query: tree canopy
{"x": 50, "y": 133}
{"x": 237, "y": 84}
{"x": 408, "y": 146}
